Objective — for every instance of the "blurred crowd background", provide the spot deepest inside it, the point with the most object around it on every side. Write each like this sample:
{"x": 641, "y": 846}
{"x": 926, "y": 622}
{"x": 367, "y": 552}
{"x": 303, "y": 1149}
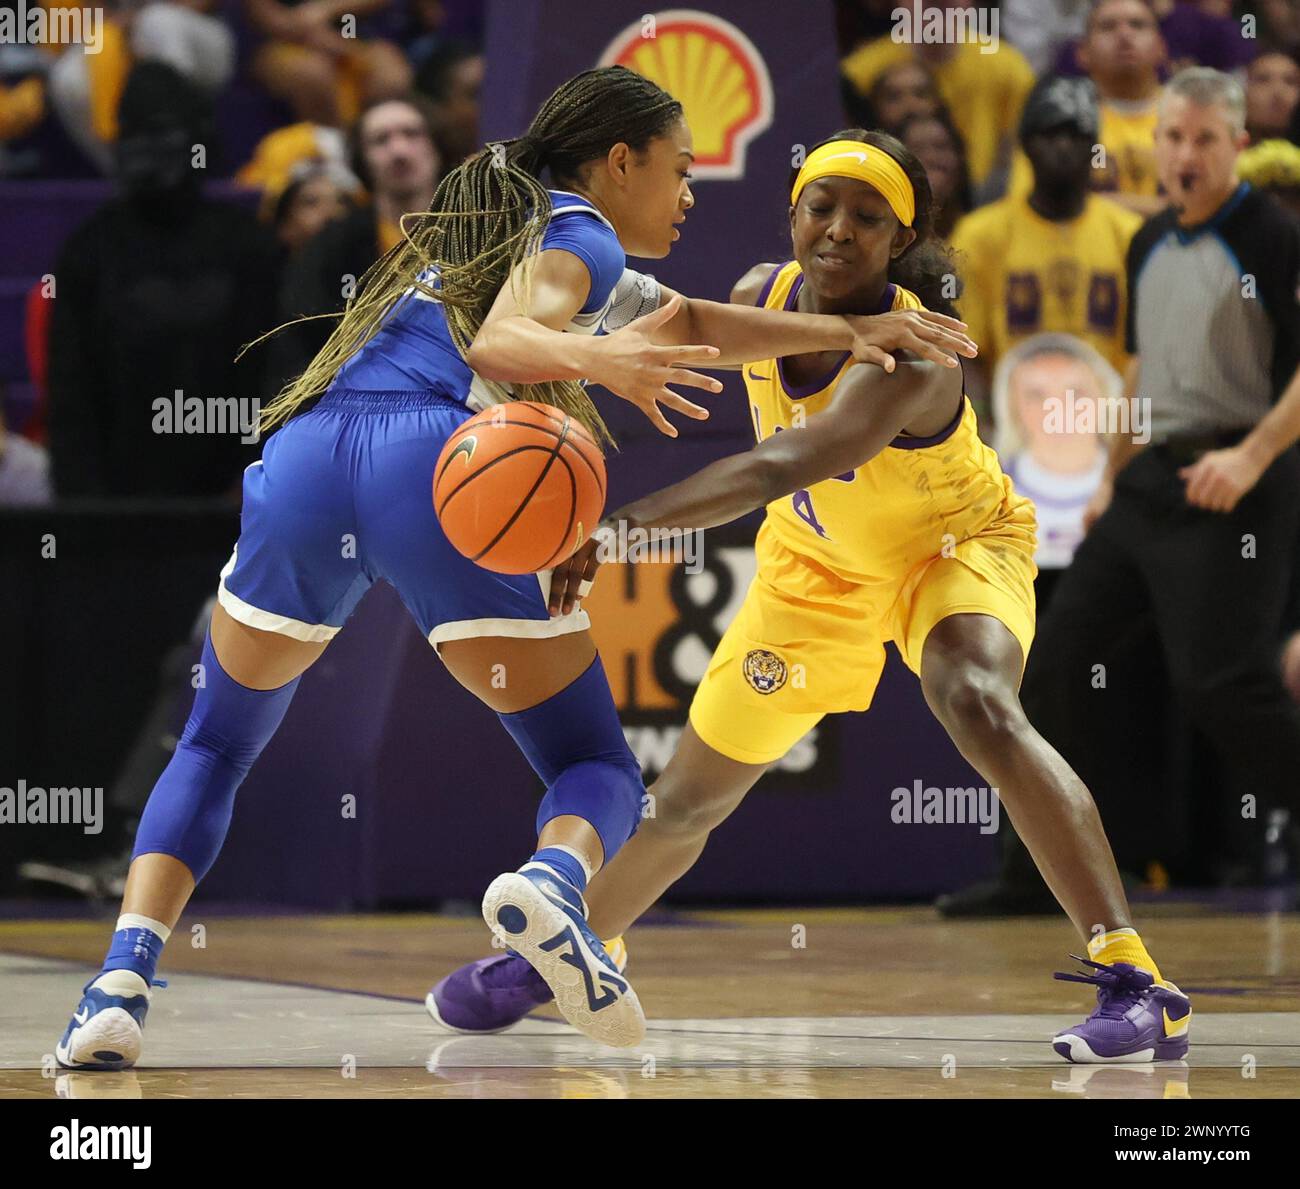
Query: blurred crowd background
{"x": 319, "y": 123}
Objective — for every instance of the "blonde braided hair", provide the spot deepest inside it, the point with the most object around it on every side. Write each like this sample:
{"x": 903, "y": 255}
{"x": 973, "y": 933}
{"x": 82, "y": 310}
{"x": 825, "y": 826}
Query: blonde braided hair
{"x": 487, "y": 217}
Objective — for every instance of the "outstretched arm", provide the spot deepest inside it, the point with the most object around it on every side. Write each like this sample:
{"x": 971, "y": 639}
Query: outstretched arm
{"x": 514, "y": 346}
{"x": 870, "y": 408}
{"x": 744, "y": 334}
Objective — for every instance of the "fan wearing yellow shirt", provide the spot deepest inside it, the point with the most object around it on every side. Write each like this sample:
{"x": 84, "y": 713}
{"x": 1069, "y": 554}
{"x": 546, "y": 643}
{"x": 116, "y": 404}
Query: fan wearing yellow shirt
{"x": 1122, "y": 52}
{"x": 984, "y": 91}
{"x": 1052, "y": 261}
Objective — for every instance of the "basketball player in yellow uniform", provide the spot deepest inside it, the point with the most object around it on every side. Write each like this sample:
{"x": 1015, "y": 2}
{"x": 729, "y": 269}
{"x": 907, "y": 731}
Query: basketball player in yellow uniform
{"x": 887, "y": 519}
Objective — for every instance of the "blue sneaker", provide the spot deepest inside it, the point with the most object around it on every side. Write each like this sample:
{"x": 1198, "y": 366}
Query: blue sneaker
{"x": 105, "y": 1030}
{"x": 544, "y": 920}
{"x": 1136, "y": 1019}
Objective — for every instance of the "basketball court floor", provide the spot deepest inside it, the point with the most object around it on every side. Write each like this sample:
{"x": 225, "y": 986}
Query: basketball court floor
{"x": 845, "y": 1003}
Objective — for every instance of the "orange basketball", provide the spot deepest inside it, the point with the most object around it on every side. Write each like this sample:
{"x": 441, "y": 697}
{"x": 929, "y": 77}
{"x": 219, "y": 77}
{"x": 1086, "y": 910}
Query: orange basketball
{"x": 518, "y": 487}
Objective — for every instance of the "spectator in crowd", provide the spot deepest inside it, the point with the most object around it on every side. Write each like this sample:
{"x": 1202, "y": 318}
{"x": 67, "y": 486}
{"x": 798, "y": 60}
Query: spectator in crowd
{"x": 905, "y": 89}
{"x": 451, "y": 78}
{"x": 395, "y": 156}
{"x": 1274, "y": 167}
{"x": 284, "y": 152}
{"x": 984, "y": 91}
{"x": 314, "y": 196}
{"x": 857, "y": 21}
{"x": 24, "y": 471}
{"x": 85, "y": 88}
{"x": 22, "y": 93}
{"x": 1195, "y": 538}
{"x": 1272, "y": 95}
{"x": 426, "y": 26}
{"x": 938, "y": 146}
{"x": 1040, "y": 28}
{"x": 1051, "y": 394}
{"x": 1279, "y": 24}
{"x": 1122, "y": 52}
{"x": 317, "y": 60}
{"x": 156, "y": 292}
{"x": 1052, "y": 261}
{"x": 1204, "y": 33}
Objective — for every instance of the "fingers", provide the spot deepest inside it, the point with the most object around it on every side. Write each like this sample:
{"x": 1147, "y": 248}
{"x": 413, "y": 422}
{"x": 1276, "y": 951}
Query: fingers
{"x": 680, "y": 375}
{"x": 939, "y": 328}
{"x": 559, "y": 585}
{"x": 573, "y": 581}
{"x": 931, "y": 352}
{"x": 699, "y": 353}
{"x": 567, "y": 580}
{"x": 962, "y": 344}
{"x": 657, "y": 419}
{"x": 880, "y": 357}
{"x": 681, "y": 405}
{"x": 579, "y": 575}
{"x": 942, "y": 320}
{"x": 1209, "y": 489}
{"x": 658, "y": 317}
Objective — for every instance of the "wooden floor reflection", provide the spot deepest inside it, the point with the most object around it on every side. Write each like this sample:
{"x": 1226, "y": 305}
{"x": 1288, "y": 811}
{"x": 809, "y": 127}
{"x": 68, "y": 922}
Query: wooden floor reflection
{"x": 781, "y": 1003}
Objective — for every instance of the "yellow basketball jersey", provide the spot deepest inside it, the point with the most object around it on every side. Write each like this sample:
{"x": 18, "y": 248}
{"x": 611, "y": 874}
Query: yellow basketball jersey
{"x": 918, "y": 499}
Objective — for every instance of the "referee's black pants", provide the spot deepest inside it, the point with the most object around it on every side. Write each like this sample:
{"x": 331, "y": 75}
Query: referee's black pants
{"x": 1208, "y": 590}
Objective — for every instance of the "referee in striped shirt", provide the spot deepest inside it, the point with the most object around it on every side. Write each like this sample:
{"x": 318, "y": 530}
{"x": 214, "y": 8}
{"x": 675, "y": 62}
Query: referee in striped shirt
{"x": 1193, "y": 533}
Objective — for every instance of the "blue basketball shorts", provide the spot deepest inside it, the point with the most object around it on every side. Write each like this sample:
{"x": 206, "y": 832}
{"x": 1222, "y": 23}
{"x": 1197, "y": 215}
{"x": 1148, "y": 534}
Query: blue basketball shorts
{"x": 342, "y": 497}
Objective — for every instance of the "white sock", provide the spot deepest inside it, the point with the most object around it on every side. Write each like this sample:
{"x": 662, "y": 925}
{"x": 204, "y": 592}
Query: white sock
{"x": 133, "y": 920}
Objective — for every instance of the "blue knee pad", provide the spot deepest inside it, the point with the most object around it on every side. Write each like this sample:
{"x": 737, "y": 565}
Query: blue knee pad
{"x": 188, "y": 812}
{"x": 575, "y": 744}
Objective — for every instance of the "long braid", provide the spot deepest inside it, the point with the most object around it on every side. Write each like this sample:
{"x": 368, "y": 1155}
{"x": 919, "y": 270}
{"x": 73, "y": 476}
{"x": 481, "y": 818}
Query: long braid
{"x": 488, "y": 217}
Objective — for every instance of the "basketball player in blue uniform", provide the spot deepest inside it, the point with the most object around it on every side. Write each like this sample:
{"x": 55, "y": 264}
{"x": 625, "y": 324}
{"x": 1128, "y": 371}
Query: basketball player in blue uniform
{"x": 470, "y": 310}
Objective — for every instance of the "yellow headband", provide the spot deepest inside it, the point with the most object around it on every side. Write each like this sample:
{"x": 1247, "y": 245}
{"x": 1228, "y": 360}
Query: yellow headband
{"x": 853, "y": 159}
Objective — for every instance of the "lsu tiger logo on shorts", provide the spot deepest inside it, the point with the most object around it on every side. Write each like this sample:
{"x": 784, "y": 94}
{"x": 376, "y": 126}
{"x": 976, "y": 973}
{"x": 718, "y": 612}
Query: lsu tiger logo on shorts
{"x": 765, "y": 671}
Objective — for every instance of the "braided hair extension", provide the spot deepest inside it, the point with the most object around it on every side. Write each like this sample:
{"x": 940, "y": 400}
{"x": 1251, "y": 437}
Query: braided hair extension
{"x": 487, "y": 217}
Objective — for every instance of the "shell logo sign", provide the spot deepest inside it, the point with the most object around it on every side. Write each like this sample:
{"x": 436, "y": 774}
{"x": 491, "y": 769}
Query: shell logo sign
{"x": 714, "y": 70}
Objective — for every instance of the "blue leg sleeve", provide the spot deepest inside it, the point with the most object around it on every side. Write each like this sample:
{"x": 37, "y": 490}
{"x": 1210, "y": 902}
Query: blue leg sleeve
{"x": 189, "y": 810}
{"x": 575, "y": 744}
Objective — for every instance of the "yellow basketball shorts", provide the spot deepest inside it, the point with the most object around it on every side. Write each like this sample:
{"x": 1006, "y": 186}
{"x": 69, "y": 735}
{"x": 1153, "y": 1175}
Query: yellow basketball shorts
{"x": 806, "y": 643}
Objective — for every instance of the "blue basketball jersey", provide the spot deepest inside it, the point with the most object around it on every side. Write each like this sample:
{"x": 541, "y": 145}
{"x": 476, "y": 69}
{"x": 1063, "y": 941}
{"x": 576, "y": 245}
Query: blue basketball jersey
{"x": 414, "y": 348}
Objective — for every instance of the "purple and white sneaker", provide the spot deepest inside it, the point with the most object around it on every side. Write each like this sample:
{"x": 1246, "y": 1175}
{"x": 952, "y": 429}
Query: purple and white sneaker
{"x": 544, "y": 920}
{"x": 1136, "y": 1019}
{"x": 487, "y": 996}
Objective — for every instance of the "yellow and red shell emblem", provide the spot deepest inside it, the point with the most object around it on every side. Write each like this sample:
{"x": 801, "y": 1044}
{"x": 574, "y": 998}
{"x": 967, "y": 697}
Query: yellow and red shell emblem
{"x": 714, "y": 70}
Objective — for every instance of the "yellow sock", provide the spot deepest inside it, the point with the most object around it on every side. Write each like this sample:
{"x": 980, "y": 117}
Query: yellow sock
{"x": 616, "y": 948}
{"x": 1123, "y": 945}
